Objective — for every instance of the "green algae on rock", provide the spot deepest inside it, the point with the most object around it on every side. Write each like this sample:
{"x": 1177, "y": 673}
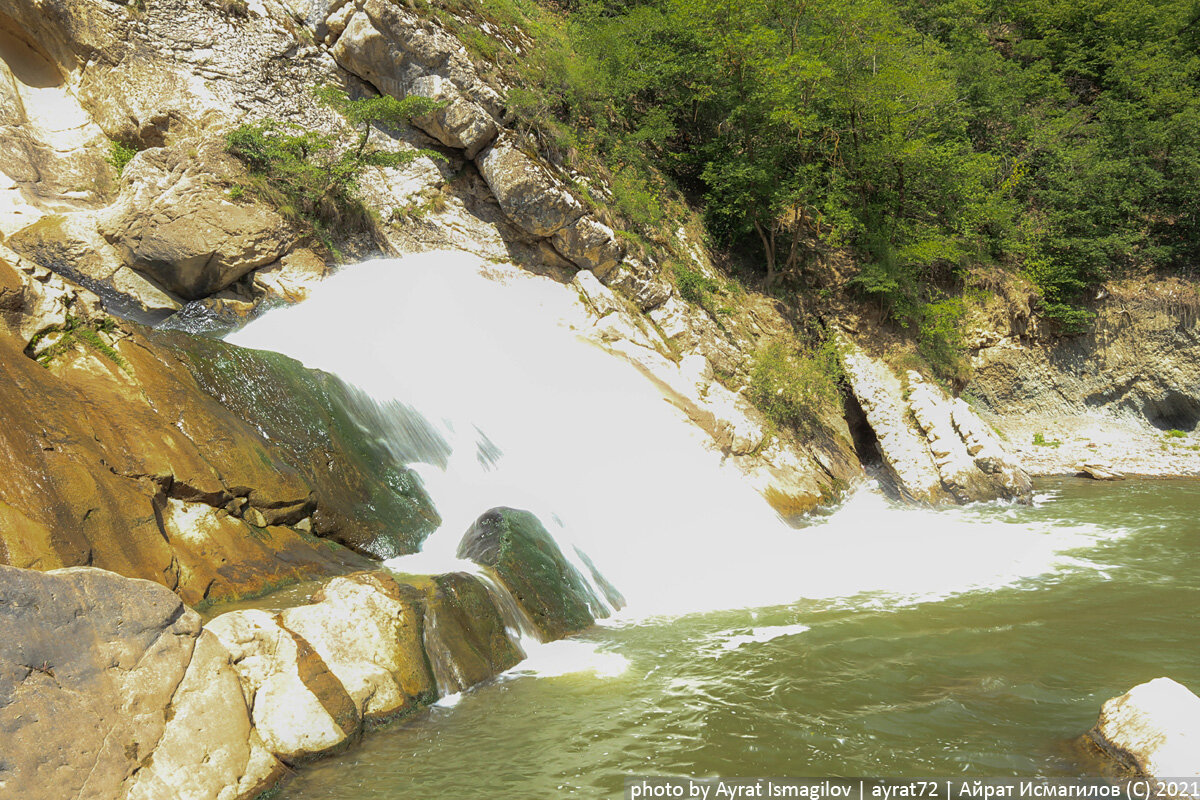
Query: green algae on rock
{"x": 526, "y": 557}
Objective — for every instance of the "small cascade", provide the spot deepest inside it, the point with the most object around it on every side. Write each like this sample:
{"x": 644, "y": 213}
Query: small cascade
{"x": 517, "y": 622}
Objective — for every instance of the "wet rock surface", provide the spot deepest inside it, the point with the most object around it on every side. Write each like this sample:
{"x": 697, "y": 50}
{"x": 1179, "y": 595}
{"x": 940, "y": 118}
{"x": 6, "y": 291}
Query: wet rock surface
{"x": 523, "y": 553}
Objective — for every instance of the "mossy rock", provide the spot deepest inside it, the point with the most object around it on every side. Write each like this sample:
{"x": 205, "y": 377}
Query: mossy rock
{"x": 366, "y": 499}
{"x": 463, "y": 631}
{"x": 553, "y": 593}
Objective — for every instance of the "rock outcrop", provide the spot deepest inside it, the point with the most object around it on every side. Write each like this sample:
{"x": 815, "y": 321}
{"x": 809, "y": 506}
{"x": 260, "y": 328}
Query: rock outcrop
{"x": 1153, "y": 730}
{"x": 523, "y": 553}
{"x": 299, "y": 708}
{"x": 368, "y": 630}
{"x": 934, "y": 446}
{"x": 129, "y": 463}
{"x": 172, "y": 223}
{"x": 109, "y": 688}
{"x": 1111, "y": 396}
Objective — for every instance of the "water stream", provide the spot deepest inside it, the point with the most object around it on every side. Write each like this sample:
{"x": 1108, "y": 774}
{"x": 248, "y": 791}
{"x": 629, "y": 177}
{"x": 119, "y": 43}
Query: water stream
{"x": 880, "y": 639}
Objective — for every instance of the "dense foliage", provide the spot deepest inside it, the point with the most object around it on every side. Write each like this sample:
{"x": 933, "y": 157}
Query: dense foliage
{"x": 1059, "y": 138}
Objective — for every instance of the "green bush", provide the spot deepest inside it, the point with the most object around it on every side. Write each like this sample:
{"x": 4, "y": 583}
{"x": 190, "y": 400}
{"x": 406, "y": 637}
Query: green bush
{"x": 308, "y": 175}
{"x": 791, "y": 385}
{"x": 939, "y": 337}
{"x": 119, "y": 155}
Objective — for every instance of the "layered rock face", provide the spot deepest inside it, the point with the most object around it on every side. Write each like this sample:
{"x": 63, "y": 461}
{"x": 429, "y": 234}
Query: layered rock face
{"x": 1106, "y": 400}
{"x": 115, "y": 456}
{"x": 934, "y": 446}
{"x": 111, "y": 688}
{"x": 1153, "y": 730}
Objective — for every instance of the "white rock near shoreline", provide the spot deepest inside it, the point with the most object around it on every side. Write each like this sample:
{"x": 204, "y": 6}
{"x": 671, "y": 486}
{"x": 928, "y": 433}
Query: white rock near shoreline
{"x": 1154, "y": 728}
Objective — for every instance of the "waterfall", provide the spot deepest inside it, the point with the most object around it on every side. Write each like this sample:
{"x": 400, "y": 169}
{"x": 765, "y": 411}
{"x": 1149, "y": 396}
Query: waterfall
{"x": 535, "y": 417}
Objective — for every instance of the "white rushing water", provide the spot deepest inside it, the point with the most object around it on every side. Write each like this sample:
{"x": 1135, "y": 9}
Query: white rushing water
{"x": 491, "y": 357}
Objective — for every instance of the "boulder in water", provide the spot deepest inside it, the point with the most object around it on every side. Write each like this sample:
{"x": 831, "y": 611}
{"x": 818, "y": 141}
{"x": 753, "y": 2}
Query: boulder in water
{"x": 464, "y": 632}
{"x": 1153, "y": 729}
{"x": 527, "y": 559}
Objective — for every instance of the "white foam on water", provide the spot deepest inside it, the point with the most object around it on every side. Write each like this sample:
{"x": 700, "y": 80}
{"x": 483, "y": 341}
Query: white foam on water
{"x": 733, "y": 639}
{"x": 570, "y": 657}
{"x": 589, "y": 445}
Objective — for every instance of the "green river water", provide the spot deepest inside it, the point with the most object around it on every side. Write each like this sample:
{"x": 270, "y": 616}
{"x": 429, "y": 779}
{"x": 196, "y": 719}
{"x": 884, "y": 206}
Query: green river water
{"x": 981, "y": 683}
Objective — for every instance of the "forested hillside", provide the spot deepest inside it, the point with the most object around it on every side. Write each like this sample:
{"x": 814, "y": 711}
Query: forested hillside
{"x": 1057, "y": 139}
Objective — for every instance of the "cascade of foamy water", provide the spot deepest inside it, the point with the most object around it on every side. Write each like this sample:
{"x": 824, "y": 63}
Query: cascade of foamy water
{"x": 536, "y": 418}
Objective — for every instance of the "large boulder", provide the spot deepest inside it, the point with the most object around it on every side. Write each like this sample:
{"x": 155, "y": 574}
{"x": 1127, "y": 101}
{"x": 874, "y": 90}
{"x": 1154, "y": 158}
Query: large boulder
{"x": 299, "y": 708}
{"x": 528, "y": 194}
{"x": 464, "y": 633}
{"x": 458, "y": 122}
{"x": 523, "y": 553}
{"x": 109, "y": 689}
{"x": 209, "y": 747}
{"x": 1153, "y": 729}
{"x": 169, "y": 224}
{"x": 367, "y": 629}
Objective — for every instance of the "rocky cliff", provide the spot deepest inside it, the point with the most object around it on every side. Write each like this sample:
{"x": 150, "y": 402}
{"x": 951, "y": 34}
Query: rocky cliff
{"x": 120, "y": 450}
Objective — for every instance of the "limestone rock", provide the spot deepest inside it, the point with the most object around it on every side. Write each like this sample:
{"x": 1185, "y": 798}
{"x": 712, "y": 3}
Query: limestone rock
{"x": 367, "y": 629}
{"x": 89, "y": 663}
{"x": 464, "y": 633}
{"x": 33, "y": 299}
{"x": 952, "y": 434}
{"x": 293, "y": 277}
{"x": 525, "y": 556}
{"x": 366, "y": 499}
{"x": 936, "y": 449}
{"x": 128, "y": 463}
{"x": 640, "y": 282}
{"x": 169, "y": 225}
{"x": 459, "y": 123}
{"x": 1100, "y": 472}
{"x": 531, "y": 197}
{"x": 1153, "y": 729}
{"x": 70, "y": 245}
{"x": 299, "y": 708}
{"x": 209, "y": 748}
{"x": 391, "y": 47}
{"x": 590, "y": 244}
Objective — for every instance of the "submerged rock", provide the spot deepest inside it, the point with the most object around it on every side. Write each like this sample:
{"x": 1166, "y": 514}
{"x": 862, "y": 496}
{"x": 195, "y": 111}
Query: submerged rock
{"x": 1153, "y": 729}
{"x": 464, "y": 632}
{"x": 527, "y": 559}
